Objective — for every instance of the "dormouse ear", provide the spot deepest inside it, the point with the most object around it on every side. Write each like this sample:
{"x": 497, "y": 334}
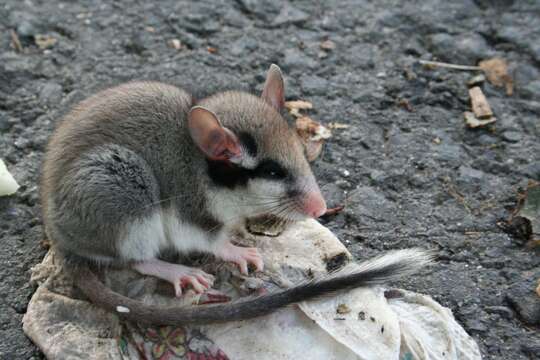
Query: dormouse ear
{"x": 274, "y": 89}
{"x": 214, "y": 140}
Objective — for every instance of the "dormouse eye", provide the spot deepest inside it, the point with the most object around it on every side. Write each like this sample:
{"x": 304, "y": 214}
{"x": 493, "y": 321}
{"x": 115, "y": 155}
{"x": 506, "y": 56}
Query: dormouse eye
{"x": 270, "y": 169}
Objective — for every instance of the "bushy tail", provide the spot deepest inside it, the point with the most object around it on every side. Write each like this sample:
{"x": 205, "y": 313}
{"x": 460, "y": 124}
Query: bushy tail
{"x": 392, "y": 265}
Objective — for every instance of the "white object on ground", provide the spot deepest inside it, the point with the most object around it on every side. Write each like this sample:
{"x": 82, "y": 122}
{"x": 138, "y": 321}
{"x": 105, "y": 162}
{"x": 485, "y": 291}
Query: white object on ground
{"x": 8, "y": 185}
{"x": 368, "y": 326}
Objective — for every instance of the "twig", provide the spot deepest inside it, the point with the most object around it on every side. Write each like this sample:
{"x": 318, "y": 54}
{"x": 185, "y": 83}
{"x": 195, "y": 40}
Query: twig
{"x": 334, "y": 210}
{"x": 15, "y": 41}
{"x": 450, "y": 66}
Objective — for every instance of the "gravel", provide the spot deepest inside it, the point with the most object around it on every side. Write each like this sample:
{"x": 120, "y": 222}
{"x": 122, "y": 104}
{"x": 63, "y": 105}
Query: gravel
{"x": 408, "y": 175}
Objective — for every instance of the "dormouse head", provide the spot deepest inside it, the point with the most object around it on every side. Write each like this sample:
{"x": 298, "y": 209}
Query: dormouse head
{"x": 256, "y": 161}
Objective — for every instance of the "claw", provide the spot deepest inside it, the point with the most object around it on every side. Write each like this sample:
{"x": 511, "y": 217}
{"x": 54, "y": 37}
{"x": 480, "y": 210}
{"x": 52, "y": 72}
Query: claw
{"x": 242, "y": 257}
{"x": 178, "y": 275}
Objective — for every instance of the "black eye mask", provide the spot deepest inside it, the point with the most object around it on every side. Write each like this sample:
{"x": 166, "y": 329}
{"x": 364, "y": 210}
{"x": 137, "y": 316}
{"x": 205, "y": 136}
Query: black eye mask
{"x": 230, "y": 175}
{"x": 270, "y": 169}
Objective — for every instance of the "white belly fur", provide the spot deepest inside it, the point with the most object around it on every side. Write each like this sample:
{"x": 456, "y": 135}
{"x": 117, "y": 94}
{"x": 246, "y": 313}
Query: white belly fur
{"x": 144, "y": 239}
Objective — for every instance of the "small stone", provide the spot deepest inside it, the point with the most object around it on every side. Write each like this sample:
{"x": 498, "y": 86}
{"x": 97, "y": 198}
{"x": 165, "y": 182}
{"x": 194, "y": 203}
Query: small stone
{"x": 475, "y": 325}
{"x": 135, "y": 45}
{"x": 175, "y": 44}
{"x": 296, "y": 59}
{"x": 504, "y": 311}
{"x": 122, "y": 309}
{"x": 51, "y": 93}
{"x": 290, "y": 15}
{"x": 314, "y": 85}
{"x": 531, "y": 349}
{"x": 263, "y": 9}
{"x": 26, "y": 29}
{"x": 448, "y": 152}
{"x": 532, "y": 89}
{"x": 243, "y": 45}
{"x": 328, "y": 45}
{"x": 487, "y": 140}
{"x": 200, "y": 24}
{"x": 523, "y": 299}
{"x": 190, "y": 40}
{"x": 512, "y": 136}
{"x": 532, "y": 170}
{"x": 470, "y": 173}
{"x": 465, "y": 49}
{"x": 4, "y": 122}
{"x": 235, "y": 18}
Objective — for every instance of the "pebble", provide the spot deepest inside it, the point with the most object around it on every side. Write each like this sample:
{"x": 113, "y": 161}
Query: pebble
{"x": 512, "y": 136}
{"x": 51, "y": 93}
{"x": 450, "y": 153}
{"x": 201, "y": 24}
{"x": 290, "y": 15}
{"x": 486, "y": 140}
{"x": 296, "y": 59}
{"x": 470, "y": 173}
{"x": 263, "y": 9}
{"x": 314, "y": 85}
{"x": 175, "y": 44}
{"x": 525, "y": 301}
{"x": 465, "y": 49}
{"x": 532, "y": 170}
{"x": 235, "y": 18}
{"x": 535, "y": 50}
{"x": 369, "y": 203}
{"x": 135, "y": 44}
{"x": 504, "y": 311}
{"x": 4, "y": 122}
{"x": 475, "y": 325}
{"x": 531, "y": 349}
{"x": 532, "y": 89}
{"x": 243, "y": 45}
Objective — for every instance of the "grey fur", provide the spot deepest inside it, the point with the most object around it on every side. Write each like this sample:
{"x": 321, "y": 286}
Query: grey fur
{"x": 122, "y": 167}
{"x": 115, "y": 158}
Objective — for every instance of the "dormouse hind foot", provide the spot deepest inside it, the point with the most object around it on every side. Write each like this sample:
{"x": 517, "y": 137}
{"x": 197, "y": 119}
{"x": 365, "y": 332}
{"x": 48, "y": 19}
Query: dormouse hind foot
{"x": 179, "y": 276}
{"x": 241, "y": 256}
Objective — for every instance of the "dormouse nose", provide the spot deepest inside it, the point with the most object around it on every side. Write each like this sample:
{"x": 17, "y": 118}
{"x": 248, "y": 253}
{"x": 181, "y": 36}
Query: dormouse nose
{"x": 314, "y": 204}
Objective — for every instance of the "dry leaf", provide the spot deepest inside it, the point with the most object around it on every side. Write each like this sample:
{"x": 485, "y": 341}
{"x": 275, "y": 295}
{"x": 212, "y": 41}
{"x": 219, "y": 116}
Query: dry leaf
{"x": 476, "y": 80}
{"x": 473, "y": 122}
{"x": 538, "y": 288}
{"x": 328, "y": 45}
{"x": 404, "y": 103}
{"x": 45, "y": 41}
{"x": 15, "y": 42}
{"x": 480, "y": 105}
{"x": 313, "y": 135}
{"x": 334, "y": 210}
{"x": 299, "y": 105}
{"x": 496, "y": 70}
{"x": 343, "y": 309}
{"x": 337, "y": 126}
{"x": 212, "y": 50}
